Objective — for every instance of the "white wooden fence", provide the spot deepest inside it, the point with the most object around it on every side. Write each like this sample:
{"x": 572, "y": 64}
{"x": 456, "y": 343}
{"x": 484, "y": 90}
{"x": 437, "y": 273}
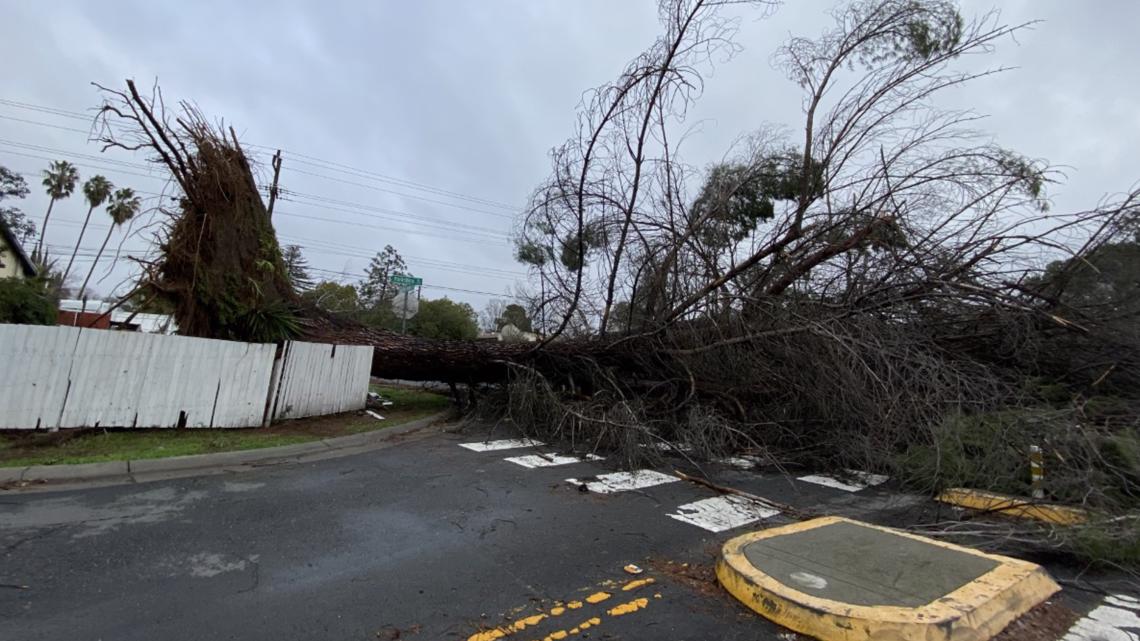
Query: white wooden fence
{"x": 318, "y": 379}
{"x": 63, "y": 377}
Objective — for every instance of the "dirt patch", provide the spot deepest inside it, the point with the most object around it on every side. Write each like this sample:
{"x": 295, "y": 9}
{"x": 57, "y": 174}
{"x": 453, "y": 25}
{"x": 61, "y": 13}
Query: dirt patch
{"x": 339, "y": 424}
{"x": 698, "y": 577}
{"x": 1050, "y": 620}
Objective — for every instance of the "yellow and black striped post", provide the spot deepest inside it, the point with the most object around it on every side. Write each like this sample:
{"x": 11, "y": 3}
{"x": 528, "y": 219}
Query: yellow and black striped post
{"x": 1037, "y": 471}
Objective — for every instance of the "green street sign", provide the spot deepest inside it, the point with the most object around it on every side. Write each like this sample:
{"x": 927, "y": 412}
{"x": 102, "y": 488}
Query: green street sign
{"x": 407, "y": 281}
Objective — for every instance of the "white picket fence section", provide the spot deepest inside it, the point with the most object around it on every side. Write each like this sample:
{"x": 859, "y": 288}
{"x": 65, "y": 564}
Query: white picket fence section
{"x": 65, "y": 377}
{"x": 318, "y": 379}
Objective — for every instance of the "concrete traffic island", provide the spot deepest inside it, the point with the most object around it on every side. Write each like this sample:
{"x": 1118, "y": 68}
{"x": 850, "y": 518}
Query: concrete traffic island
{"x": 841, "y": 580}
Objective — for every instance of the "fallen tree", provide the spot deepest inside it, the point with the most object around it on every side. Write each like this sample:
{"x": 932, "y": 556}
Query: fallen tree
{"x": 887, "y": 291}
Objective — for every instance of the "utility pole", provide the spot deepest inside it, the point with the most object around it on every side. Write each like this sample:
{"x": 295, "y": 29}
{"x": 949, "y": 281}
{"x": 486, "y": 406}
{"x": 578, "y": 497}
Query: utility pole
{"x": 276, "y": 163}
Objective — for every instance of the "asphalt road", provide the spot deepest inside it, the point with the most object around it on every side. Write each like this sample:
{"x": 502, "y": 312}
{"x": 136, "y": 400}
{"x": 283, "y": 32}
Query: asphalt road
{"x": 423, "y": 540}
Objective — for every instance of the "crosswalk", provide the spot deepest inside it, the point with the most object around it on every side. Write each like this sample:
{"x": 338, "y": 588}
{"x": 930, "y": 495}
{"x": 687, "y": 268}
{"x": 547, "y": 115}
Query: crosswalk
{"x": 851, "y": 481}
{"x": 624, "y": 481}
{"x": 549, "y": 460}
{"x": 721, "y": 513}
{"x": 715, "y": 514}
{"x": 1117, "y": 618}
{"x": 504, "y": 444}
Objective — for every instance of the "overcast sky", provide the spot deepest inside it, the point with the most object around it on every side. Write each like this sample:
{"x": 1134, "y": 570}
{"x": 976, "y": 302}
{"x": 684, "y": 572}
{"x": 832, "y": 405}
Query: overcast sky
{"x": 413, "y": 99}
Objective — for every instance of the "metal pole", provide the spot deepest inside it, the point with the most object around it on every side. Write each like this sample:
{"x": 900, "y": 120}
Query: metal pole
{"x": 404, "y": 316}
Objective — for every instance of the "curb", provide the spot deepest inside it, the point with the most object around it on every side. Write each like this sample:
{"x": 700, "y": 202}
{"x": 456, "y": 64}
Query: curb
{"x": 112, "y": 472}
{"x": 1012, "y": 506}
{"x": 975, "y": 611}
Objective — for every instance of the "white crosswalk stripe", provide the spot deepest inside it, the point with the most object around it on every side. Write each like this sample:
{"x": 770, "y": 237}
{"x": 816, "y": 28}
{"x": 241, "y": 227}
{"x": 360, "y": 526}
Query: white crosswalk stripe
{"x": 721, "y": 513}
{"x": 1116, "y": 619}
{"x": 549, "y": 460}
{"x": 505, "y": 444}
{"x": 852, "y": 482}
{"x": 623, "y": 481}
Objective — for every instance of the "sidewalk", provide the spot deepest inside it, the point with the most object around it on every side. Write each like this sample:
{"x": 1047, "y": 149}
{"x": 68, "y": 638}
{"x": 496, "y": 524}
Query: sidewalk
{"x": 57, "y": 477}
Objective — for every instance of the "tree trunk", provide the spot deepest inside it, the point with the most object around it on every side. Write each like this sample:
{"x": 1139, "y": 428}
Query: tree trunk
{"x": 96, "y": 263}
{"x": 38, "y": 253}
{"x": 77, "y": 242}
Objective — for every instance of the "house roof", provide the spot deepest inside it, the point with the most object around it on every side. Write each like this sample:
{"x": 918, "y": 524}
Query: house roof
{"x": 14, "y": 243}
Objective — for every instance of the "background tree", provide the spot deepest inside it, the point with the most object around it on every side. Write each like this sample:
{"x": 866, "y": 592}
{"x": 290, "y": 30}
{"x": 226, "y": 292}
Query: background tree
{"x": 123, "y": 206}
{"x": 514, "y": 314}
{"x": 59, "y": 182}
{"x": 333, "y": 297}
{"x": 297, "y": 268}
{"x": 376, "y": 289}
{"x": 444, "y": 319}
{"x": 13, "y": 185}
{"x": 492, "y": 312}
{"x": 96, "y": 191}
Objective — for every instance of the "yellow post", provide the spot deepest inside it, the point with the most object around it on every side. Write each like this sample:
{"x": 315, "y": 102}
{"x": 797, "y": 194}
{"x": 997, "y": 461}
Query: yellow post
{"x": 1036, "y": 471}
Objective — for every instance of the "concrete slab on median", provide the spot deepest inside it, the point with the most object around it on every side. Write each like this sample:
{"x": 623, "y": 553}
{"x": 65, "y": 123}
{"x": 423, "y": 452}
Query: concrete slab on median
{"x": 843, "y": 580}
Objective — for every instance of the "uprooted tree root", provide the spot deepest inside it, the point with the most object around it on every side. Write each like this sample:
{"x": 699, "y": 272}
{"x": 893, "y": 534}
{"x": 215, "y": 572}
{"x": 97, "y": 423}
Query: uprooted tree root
{"x": 220, "y": 265}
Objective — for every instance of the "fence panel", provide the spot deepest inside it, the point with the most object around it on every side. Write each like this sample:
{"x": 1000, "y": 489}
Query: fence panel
{"x": 34, "y": 366}
{"x": 72, "y": 377}
{"x": 319, "y": 379}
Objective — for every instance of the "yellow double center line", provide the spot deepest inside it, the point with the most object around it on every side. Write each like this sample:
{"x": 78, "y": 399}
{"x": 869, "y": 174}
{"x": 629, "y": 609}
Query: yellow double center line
{"x": 559, "y": 609}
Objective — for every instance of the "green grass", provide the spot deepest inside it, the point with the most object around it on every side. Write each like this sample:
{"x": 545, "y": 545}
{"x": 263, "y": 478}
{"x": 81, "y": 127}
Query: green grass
{"x": 119, "y": 446}
{"x": 413, "y": 399}
{"x": 20, "y": 450}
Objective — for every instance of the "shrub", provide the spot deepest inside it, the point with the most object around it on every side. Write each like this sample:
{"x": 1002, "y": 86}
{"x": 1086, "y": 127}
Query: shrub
{"x": 27, "y": 302}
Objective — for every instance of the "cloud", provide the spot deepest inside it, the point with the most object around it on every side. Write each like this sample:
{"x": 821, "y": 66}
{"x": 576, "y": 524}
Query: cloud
{"x": 470, "y": 96}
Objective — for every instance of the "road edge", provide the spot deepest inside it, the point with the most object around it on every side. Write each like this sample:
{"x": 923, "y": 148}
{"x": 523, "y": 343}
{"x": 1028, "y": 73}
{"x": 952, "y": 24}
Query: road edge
{"x": 59, "y": 477}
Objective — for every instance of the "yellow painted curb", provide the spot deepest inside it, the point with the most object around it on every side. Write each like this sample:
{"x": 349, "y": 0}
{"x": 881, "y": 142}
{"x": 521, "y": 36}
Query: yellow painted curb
{"x": 1013, "y": 506}
{"x": 974, "y": 612}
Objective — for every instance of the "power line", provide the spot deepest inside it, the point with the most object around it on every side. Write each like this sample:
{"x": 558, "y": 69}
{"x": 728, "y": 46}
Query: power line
{"x": 370, "y": 175}
{"x": 87, "y": 165}
{"x": 352, "y": 251}
{"x": 288, "y": 214}
{"x": 418, "y": 232}
{"x": 46, "y": 124}
{"x": 62, "y": 113}
{"x": 369, "y": 252}
{"x": 397, "y": 193}
{"x": 413, "y": 263}
{"x": 291, "y": 195}
{"x": 300, "y": 158}
{"x": 381, "y": 213}
{"x": 77, "y": 154}
{"x": 425, "y": 285}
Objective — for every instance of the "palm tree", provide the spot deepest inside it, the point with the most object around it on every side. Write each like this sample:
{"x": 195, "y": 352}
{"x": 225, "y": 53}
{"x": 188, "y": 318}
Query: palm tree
{"x": 97, "y": 190}
{"x": 59, "y": 180}
{"x": 123, "y": 206}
